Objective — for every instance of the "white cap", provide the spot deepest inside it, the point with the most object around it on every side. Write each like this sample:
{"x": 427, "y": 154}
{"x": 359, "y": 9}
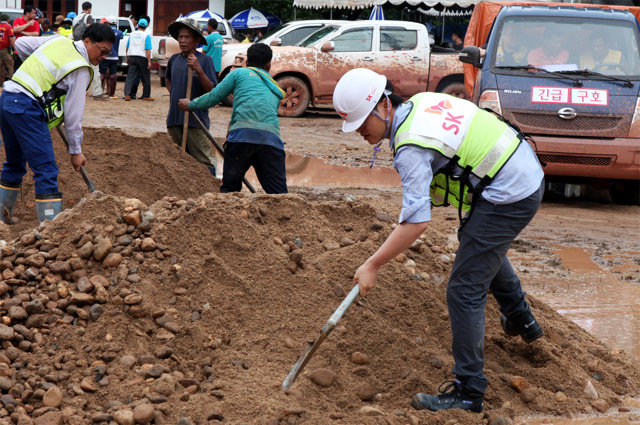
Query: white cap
{"x": 112, "y": 20}
{"x": 356, "y": 95}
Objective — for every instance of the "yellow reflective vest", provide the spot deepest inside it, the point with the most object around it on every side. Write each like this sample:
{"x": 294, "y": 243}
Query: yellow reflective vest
{"x": 477, "y": 142}
{"x": 44, "y": 69}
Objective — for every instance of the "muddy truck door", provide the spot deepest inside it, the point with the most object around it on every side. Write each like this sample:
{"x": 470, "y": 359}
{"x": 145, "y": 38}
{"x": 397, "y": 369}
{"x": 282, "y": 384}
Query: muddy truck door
{"x": 402, "y": 55}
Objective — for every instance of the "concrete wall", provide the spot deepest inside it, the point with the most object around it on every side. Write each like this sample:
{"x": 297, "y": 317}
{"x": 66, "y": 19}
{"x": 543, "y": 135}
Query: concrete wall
{"x": 17, "y": 4}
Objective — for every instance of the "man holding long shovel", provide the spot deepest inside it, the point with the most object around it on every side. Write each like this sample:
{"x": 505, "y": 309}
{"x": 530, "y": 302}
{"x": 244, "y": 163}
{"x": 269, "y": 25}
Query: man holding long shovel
{"x": 180, "y": 71}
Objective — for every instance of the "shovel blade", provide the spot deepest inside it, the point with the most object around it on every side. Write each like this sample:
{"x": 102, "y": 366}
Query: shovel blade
{"x": 302, "y": 362}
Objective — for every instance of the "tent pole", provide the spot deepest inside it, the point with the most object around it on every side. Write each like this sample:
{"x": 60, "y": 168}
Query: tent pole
{"x": 444, "y": 12}
{"x": 331, "y": 13}
{"x": 294, "y": 13}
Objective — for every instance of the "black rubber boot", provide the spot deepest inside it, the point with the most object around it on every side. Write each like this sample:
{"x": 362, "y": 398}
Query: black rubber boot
{"x": 48, "y": 205}
{"x": 454, "y": 395}
{"x": 522, "y": 323}
{"x": 8, "y": 197}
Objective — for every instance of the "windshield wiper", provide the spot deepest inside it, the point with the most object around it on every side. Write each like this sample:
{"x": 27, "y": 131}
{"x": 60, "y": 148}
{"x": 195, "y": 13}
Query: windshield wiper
{"x": 576, "y": 81}
{"x": 587, "y": 71}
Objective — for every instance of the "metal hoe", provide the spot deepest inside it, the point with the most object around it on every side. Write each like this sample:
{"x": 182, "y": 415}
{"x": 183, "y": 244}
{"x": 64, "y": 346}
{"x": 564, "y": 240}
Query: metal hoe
{"x": 219, "y": 148}
{"x": 83, "y": 172}
{"x": 324, "y": 333}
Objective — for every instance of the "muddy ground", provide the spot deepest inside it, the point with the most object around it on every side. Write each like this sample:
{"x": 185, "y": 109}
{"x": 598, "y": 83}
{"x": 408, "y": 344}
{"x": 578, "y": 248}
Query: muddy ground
{"x": 197, "y": 312}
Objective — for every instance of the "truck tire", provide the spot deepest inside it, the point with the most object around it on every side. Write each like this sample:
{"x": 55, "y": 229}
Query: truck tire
{"x": 296, "y": 97}
{"x": 456, "y": 89}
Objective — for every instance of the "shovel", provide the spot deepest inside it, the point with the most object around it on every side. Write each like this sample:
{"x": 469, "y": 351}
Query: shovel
{"x": 83, "y": 172}
{"x": 324, "y": 333}
{"x": 185, "y": 125}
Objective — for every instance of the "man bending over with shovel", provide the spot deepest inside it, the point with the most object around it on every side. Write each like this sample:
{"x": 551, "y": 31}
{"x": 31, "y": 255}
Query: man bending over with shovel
{"x": 47, "y": 90}
{"x": 254, "y": 130}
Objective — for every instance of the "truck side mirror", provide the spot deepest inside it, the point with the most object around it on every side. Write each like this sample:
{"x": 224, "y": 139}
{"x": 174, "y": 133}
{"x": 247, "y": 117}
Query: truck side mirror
{"x": 276, "y": 42}
{"x": 327, "y": 47}
{"x": 470, "y": 54}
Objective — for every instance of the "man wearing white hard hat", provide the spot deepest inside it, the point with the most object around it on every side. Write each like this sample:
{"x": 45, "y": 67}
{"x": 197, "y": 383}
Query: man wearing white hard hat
{"x": 446, "y": 149}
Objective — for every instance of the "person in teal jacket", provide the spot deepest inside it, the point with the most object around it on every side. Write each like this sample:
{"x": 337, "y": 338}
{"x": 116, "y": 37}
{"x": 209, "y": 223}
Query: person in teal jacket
{"x": 214, "y": 45}
{"x": 254, "y": 129}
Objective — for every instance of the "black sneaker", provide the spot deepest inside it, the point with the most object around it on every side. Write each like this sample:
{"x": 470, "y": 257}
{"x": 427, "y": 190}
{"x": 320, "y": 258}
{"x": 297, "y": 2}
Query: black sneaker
{"x": 453, "y": 396}
{"x": 522, "y": 323}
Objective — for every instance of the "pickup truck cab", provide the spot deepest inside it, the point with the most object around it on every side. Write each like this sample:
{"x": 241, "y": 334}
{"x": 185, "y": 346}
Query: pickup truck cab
{"x": 309, "y": 72}
{"x": 290, "y": 34}
{"x": 569, "y": 76}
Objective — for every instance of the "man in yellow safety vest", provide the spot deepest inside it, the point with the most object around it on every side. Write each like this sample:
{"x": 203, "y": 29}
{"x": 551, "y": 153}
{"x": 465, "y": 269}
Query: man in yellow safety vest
{"x": 47, "y": 90}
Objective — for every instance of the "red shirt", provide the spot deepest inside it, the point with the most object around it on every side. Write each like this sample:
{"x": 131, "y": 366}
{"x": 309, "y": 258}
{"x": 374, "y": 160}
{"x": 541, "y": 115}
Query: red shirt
{"x": 5, "y": 32}
{"x": 35, "y": 27}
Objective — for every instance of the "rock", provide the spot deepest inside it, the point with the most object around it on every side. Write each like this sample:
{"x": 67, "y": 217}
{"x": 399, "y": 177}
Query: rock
{"x": 143, "y": 413}
{"x": 365, "y": 392}
{"x": 124, "y": 417}
{"x": 102, "y": 249}
{"x": 500, "y": 420}
{"x": 370, "y": 411}
{"x": 53, "y": 397}
{"x": 99, "y": 280}
{"x": 132, "y": 299}
{"x": 322, "y": 377}
{"x": 528, "y": 395}
{"x": 518, "y": 383}
{"x": 330, "y": 246}
{"x": 215, "y": 416}
{"x": 84, "y": 285}
{"x": 359, "y": 358}
{"x": 112, "y": 260}
{"x": 6, "y": 332}
{"x": 5, "y": 383}
{"x": 35, "y": 260}
{"x": 127, "y": 361}
{"x": 78, "y": 298}
{"x": 133, "y": 218}
{"x": 600, "y": 405}
{"x": 437, "y": 362}
{"x": 590, "y": 390}
{"x": 88, "y": 384}
{"x": 560, "y": 397}
{"x": 85, "y": 250}
{"x": 346, "y": 241}
{"x": 50, "y": 418}
{"x": 17, "y": 313}
{"x": 148, "y": 244}
{"x": 338, "y": 290}
{"x": 296, "y": 256}
{"x": 95, "y": 312}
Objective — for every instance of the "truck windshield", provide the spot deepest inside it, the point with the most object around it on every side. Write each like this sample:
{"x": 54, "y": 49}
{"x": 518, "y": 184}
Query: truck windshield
{"x": 317, "y": 35}
{"x": 608, "y": 47}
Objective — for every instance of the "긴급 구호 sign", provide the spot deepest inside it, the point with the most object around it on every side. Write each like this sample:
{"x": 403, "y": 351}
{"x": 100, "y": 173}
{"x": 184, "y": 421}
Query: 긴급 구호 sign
{"x": 566, "y": 95}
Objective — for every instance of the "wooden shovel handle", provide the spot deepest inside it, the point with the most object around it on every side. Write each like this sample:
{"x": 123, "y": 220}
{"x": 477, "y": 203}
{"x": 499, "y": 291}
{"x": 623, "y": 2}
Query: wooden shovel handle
{"x": 185, "y": 126}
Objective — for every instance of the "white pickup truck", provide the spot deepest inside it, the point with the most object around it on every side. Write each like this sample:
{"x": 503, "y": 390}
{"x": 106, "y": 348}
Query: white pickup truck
{"x": 309, "y": 72}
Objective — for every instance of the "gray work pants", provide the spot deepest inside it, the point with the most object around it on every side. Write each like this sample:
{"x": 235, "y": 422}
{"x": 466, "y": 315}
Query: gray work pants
{"x": 481, "y": 264}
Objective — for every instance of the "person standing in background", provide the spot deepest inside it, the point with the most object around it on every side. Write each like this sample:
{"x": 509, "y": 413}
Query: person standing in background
{"x": 111, "y": 62}
{"x": 214, "y": 44}
{"x": 7, "y": 39}
{"x": 139, "y": 60}
{"x": 46, "y": 28}
{"x": 25, "y": 26}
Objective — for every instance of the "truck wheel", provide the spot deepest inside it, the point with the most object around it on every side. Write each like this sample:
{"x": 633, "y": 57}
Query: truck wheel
{"x": 163, "y": 82}
{"x": 296, "y": 97}
{"x": 456, "y": 89}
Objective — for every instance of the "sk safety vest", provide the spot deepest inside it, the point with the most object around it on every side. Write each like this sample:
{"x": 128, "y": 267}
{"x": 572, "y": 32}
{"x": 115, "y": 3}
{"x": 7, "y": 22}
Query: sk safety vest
{"x": 44, "y": 69}
{"x": 475, "y": 140}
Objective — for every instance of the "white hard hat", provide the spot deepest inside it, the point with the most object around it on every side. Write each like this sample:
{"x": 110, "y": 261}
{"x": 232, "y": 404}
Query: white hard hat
{"x": 355, "y": 96}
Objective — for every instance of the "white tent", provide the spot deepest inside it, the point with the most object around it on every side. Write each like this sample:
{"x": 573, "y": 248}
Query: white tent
{"x": 361, "y": 4}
